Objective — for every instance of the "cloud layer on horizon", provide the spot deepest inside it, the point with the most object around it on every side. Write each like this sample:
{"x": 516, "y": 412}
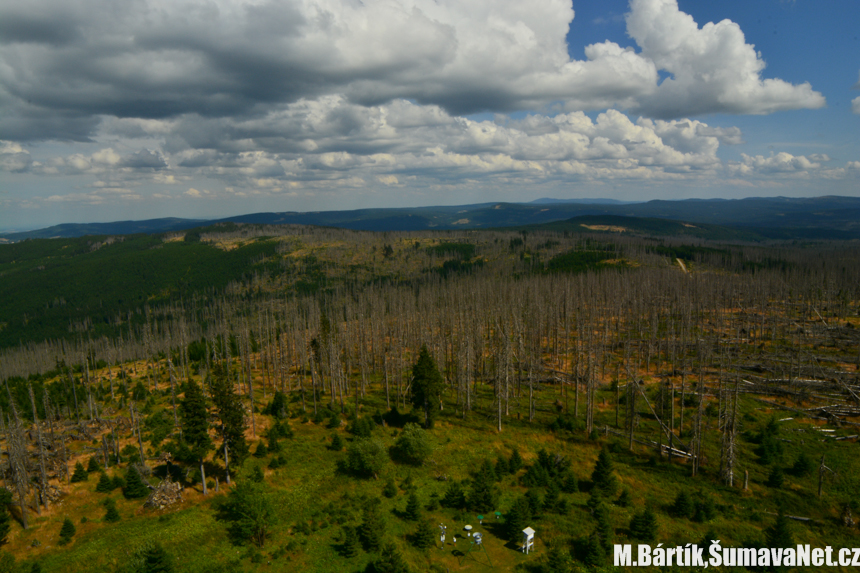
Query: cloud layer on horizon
{"x": 331, "y": 143}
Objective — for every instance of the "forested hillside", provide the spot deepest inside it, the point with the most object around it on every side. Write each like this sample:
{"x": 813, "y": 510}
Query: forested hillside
{"x": 294, "y": 398}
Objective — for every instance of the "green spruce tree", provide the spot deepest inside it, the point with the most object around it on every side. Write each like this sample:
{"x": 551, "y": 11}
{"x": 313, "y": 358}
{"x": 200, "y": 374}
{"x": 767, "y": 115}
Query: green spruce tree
{"x": 231, "y": 416}
{"x": 502, "y": 467}
{"x": 427, "y": 385}
{"x": 535, "y": 503}
{"x": 5, "y": 517}
{"x": 389, "y": 561}
{"x": 372, "y": 527}
{"x": 517, "y": 518}
{"x": 351, "y": 546}
{"x": 134, "y": 488}
{"x": 105, "y": 484}
{"x": 424, "y": 537}
{"x": 482, "y": 495}
{"x": 595, "y": 553}
{"x": 558, "y": 560}
{"x": 643, "y": 526}
{"x": 570, "y": 483}
{"x": 683, "y": 505}
{"x": 802, "y": 466}
{"x": 604, "y": 530}
{"x": 776, "y": 477}
{"x": 552, "y": 501}
{"x": 603, "y": 476}
{"x": 67, "y": 531}
{"x": 262, "y": 451}
{"x": 454, "y": 497}
{"x": 157, "y": 560}
{"x": 195, "y": 426}
{"x": 111, "y": 513}
{"x": 80, "y": 474}
{"x": 779, "y": 534}
{"x": 413, "y": 507}
{"x": 515, "y": 462}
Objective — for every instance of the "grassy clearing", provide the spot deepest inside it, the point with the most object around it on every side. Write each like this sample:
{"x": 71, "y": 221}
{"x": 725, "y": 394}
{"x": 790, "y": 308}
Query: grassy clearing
{"x": 314, "y": 501}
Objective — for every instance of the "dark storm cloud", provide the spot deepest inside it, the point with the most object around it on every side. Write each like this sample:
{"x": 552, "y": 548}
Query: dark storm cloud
{"x": 145, "y": 159}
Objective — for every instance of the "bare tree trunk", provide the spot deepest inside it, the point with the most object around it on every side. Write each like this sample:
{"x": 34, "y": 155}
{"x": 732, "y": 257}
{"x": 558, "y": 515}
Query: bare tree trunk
{"x": 43, "y": 476}
{"x": 203, "y": 477}
{"x": 135, "y": 421}
{"x": 17, "y": 462}
{"x": 226, "y": 462}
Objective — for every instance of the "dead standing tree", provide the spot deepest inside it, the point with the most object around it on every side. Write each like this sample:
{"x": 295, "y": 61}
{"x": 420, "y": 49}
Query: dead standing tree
{"x": 17, "y": 446}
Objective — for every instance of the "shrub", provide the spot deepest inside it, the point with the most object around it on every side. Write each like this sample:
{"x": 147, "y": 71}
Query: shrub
{"x": 361, "y": 427}
{"x": 151, "y": 558}
{"x": 278, "y": 407}
{"x": 365, "y": 457}
{"x": 250, "y": 512}
{"x": 390, "y": 490}
{"x": 257, "y": 475}
{"x": 412, "y": 445}
{"x": 118, "y": 482}
{"x": 704, "y": 510}
{"x": 281, "y": 429}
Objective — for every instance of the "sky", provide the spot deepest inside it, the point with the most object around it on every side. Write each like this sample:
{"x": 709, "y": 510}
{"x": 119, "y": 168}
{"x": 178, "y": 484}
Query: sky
{"x": 211, "y": 108}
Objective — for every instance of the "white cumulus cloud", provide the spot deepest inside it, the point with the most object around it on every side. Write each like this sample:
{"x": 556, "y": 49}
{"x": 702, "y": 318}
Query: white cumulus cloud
{"x": 712, "y": 68}
{"x": 66, "y": 66}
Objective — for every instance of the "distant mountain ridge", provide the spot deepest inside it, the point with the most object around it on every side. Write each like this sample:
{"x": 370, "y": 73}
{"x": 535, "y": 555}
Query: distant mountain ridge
{"x": 784, "y": 217}
{"x": 595, "y": 201}
{"x": 71, "y": 230}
